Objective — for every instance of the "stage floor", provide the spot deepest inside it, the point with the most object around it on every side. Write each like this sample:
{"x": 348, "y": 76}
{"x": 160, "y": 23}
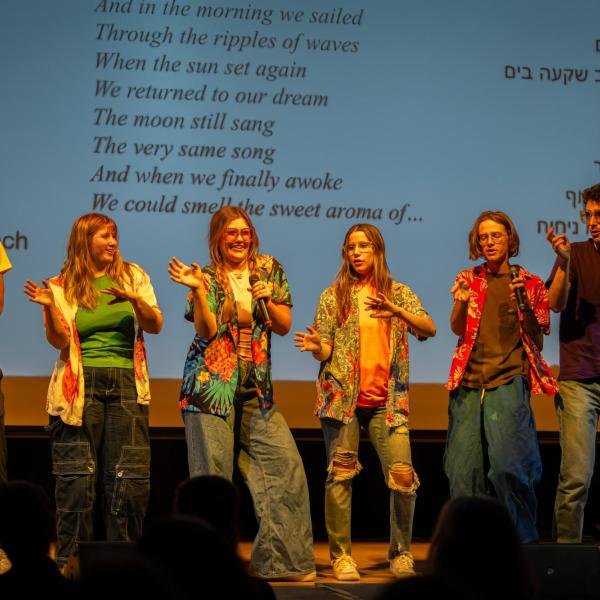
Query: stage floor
{"x": 373, "y": 567}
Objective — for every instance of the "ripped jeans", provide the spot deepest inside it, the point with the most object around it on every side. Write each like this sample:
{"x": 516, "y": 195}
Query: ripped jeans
{"x": 393, "y": 448}
{"x": 111, "y": 448}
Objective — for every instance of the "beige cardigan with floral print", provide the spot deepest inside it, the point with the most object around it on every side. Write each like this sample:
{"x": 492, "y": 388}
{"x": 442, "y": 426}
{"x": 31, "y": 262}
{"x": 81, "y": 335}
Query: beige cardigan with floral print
{"x": 66, "y": 390}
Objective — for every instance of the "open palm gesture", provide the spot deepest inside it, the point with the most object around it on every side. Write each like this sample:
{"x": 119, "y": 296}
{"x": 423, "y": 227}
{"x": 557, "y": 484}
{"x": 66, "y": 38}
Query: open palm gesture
{"x": 190, "y": 276}
{"x": 38, "y": 294}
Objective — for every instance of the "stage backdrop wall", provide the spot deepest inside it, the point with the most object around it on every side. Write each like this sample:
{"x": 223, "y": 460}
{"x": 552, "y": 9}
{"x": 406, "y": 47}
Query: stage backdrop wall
{"x": 313, "y": 116}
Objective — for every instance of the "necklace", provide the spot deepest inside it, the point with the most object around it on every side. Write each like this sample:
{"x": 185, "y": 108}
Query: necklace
{"x": 238, "y": 273}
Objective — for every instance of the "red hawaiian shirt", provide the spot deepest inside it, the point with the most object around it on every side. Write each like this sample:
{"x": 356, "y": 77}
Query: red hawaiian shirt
{"x": 540, "y": 376}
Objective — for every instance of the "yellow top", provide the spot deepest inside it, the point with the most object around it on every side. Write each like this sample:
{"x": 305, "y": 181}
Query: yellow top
{"x": 4, "y": 262}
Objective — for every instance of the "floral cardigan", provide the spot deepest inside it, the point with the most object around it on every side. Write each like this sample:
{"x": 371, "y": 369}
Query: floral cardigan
{"x": 210, "y": 373}
{"x": 338, "y": 384}
{"x": 540, "y": 376}
{"x": 66, "y": 390}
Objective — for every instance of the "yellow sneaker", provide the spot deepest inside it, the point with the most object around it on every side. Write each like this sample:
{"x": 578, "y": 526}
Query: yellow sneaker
{"x": 344, "y": 568}
{"x": 402, "y": 566}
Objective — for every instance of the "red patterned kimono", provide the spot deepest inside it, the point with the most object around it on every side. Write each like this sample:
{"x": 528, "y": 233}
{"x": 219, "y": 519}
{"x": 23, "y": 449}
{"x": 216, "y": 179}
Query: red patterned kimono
{"x": 540, "y": 376}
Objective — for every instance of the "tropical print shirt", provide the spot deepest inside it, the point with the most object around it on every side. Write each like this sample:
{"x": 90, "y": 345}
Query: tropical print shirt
{"x": 66, "y": 390}
{"x": 210, "y": 373}
{"x": 540, "y": 376}
{"x": 339, "y": 376}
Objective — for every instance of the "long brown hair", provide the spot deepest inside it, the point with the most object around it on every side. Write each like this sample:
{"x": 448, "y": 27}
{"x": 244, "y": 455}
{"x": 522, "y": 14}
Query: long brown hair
{"x": 346, "y": 277}
{"x": 219, "y": 222}
{"x": 502, "y": 219}
{"x": 78, "y": 268}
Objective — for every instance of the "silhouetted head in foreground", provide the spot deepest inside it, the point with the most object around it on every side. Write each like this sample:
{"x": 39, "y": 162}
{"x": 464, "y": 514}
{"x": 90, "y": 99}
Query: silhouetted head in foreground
{"x": 476, "y": 548}
{"x": 213, "y": 499}
{"x": 27, "y": 522}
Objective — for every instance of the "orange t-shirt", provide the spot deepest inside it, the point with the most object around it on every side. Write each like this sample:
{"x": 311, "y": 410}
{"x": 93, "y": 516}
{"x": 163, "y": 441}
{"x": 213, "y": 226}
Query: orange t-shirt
{"x": 374, "y": 354}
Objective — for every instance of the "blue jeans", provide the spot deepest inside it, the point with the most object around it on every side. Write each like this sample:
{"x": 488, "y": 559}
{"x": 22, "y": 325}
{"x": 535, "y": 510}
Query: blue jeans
{"x": 272, "y": 468}
{"x": 393, "y": 448}
{"x": 578, "y": 408}
{"x": 110, "y": 449}
{"x": 495, "y": 425}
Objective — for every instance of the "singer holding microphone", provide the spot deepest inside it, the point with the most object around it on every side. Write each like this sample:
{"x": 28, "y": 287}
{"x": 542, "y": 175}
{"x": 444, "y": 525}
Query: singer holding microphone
{"x": 227, "y": 392}
{"x": 500, "y": 314}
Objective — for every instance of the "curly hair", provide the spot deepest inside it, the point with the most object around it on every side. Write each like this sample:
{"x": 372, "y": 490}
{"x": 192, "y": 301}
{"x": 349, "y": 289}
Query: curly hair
{"x": 591, "y": 194}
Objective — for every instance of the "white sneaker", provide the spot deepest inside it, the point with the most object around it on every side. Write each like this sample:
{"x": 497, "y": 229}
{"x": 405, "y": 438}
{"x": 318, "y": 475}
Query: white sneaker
{"x": 344, "y": 568}
{"x": 402, "y": 566}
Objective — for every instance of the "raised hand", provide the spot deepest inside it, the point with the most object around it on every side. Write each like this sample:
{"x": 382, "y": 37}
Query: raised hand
{"x": 560, "y": 244}
{"x": 308, "y": 342}
{"x": 382, "y": 307}
{"x": 190, "y": 276}
{"x": 461, "y": 291}
{"x": 38, "y": 294}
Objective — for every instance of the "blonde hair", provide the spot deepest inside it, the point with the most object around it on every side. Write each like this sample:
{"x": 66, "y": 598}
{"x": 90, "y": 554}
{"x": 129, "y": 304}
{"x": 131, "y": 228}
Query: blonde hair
{"x": 219, "y": 222}
{"x": 502, "y": 219}
{"x": 78, "y": 268}
{"x": 347, "y": 277}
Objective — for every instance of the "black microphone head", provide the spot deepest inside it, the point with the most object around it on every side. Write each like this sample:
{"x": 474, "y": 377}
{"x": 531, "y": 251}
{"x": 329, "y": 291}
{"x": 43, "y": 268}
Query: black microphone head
{"x": 514, "y": 271}
{"x": 253, "y": 278}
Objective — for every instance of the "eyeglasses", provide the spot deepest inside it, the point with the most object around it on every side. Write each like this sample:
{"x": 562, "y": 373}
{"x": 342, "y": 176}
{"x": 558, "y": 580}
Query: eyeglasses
{"x": 232, "y": 234}
{"x": 588, "y": 215}
{"x": 496, "y": 236}
{"x": 361, "y": 247}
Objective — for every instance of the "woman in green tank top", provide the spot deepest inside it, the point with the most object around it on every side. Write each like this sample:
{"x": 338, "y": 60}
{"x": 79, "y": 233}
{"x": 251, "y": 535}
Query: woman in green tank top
{"x": 95, "y": 313}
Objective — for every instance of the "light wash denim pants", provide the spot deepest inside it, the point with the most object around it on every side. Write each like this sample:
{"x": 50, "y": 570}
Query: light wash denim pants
{"x": 393, "y": 448}
{"x": 578, "y": 408}
{"x": 495, "y": 428}
{"x": 272, "y": 468}
{"x": 110, "y": 449}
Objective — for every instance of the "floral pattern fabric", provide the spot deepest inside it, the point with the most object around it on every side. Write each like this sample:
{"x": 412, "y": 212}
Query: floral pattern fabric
{"x": 338, "y": 384}
{"x": 210, "y": 373}
{"x": 66, "y": 390}
{"x": 540, "y": 376}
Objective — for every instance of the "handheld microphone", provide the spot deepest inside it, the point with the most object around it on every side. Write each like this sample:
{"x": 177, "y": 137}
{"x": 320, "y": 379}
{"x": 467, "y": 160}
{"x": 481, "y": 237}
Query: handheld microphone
{"x": 519, "y": 291}
{"x": 262, "y": 307}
